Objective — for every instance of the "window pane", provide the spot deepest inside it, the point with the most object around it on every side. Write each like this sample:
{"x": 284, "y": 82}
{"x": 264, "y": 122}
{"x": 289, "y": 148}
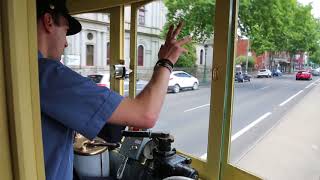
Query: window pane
{"x": 140, "y": 55}
{"x": 275, "y": 106}
{"x": 90, "y": 50}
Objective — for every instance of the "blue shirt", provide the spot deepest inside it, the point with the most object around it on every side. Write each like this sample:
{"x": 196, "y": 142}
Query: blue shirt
{"x": 69, "y": 102}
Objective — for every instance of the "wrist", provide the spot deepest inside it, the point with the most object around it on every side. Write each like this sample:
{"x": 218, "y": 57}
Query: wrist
{"x": 164, "y": 63}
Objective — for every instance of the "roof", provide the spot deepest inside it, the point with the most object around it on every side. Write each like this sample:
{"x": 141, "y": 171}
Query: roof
{"x": 84, "y": 6}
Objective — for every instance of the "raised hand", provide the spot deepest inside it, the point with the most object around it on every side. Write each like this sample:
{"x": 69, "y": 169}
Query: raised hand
{"x": 172, "y": 48}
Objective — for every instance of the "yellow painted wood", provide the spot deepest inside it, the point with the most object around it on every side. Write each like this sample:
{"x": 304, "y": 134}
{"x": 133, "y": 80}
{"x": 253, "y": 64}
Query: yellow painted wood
{"x": 198, "y": 164}
{"x": 19, "y": 38}
{"x": 82, "y": 6}
{"x": 227, "y": 171}
{"x": 218, "y": 88}
{"x": 133, "y": 51}
{"x": 5, "y": 156}
{"x": 133, "y": 47}
{"x": 234, "y": 173}
{"x": 35, "y": 94}
{"x": 116, "y": 44}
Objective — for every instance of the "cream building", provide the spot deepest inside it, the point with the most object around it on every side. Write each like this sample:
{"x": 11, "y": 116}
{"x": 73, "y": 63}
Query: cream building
{"x": 88, "y": 51}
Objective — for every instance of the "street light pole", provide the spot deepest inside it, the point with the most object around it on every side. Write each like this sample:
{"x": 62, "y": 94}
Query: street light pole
{"x": 247, "y": 56}
{"x": 205, "y": 64}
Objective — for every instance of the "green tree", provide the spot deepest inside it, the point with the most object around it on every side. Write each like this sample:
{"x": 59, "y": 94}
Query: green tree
{"x": 266, "y": 23}
{"x": 242, "y": 60}
{"x": 198, "y": 17}
{"x": 187, "y": 59}
{"x": 278, "y": 26}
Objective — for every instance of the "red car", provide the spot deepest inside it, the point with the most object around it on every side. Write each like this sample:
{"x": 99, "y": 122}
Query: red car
{"x": 303, "y": 75}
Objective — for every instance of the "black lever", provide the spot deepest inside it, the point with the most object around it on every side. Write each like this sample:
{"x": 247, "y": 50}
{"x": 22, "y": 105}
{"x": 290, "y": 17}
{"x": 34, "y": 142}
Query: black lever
{"x": 145, "y": 134}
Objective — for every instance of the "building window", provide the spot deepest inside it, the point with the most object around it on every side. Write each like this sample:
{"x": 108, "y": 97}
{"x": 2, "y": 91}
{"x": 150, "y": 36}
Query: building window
{"x": 90, "y": 36}
{"x": 108, "y": 53}
{"x": 142, "y": 16}
{"x": 90, "y": 50}
{"x": 201, "y": 56}
{"x": 140, "y": 55}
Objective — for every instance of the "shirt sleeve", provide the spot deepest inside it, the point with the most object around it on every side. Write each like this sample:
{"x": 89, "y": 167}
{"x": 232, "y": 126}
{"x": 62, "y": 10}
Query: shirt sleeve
{"x": 73, "y": 100}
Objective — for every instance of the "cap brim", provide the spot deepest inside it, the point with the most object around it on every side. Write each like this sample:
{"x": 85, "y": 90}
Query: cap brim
{"x": 74, "y": 25}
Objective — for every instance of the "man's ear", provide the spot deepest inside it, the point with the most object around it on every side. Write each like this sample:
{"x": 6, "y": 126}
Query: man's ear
{"x": 48, "y": 22}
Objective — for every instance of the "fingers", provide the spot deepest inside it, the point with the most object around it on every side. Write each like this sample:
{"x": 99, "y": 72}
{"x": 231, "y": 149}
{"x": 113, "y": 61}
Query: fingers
{"x": 183, "y": 50}
{"x": 169, "y": 34}
{"x": 177, "y": 30}
{"x": 184, "y": 41}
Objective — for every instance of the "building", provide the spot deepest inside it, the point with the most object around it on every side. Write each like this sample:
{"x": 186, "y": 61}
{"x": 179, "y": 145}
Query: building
{"x": 88, "y": 51}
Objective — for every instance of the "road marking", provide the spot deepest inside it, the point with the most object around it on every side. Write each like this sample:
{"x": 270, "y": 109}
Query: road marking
{"x": 196, "y": 108}
{"x": 290, "y": 98}
{"x": 247, "y": 128}
{"x": 244, "y": 130}
{"x": 312, "y": 84}
{"x": 264, "y": 88}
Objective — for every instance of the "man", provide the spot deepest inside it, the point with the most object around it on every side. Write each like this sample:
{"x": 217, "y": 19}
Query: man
{"x": 70, "y": 102}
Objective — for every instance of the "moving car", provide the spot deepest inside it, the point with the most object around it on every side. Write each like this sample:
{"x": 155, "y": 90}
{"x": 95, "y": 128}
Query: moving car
{"x": 316, "y": 72}
{"x": 241, "y": 77}
{"x": 276, "y": 72}
{"x": 264, "y": 73}
{"x": 181, "y": 80}
{"x": 303, "y": 75}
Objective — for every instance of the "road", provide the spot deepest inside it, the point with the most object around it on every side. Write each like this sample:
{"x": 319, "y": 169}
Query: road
{"x": 258, "y": 106}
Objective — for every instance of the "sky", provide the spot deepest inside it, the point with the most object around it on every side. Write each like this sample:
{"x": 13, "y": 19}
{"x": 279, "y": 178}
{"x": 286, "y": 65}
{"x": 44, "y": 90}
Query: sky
{"x": 315, "y": 5}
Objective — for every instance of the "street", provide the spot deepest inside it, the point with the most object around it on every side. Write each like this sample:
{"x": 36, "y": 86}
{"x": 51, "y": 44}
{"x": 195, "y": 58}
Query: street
{"x": 258, "y": 106}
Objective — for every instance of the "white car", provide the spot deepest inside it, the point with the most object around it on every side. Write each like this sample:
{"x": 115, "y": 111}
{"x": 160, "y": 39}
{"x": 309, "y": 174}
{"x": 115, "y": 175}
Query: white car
{"x": 264, "y": 73}
{"x": 182, "y": 80}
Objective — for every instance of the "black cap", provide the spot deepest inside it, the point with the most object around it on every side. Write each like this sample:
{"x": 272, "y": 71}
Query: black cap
{"x": 59, "y": 6}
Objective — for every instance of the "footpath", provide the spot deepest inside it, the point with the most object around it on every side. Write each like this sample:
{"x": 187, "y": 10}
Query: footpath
{"x": 291, "y": 150}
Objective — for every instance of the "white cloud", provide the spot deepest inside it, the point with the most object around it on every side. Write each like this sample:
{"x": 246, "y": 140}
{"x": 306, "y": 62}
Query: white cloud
{"x": 315, "y": 6}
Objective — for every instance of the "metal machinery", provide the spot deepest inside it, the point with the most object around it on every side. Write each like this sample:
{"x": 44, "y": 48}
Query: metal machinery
{"x": 142, "y": 156}
{"x": 20, "y": 128}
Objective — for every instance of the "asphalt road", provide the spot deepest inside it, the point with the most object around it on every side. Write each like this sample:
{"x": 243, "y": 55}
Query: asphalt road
{"x": 258, "y": 106}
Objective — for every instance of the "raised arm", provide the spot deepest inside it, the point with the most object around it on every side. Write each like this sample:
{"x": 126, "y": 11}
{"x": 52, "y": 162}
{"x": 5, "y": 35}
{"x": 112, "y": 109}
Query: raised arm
{"x": 143, "y": 111}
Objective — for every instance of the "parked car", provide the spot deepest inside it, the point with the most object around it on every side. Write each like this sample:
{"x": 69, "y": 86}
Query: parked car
{"x": 264, "y": 73}
{"x": 316, "y": 72}
{"x": 241, "y": 77}
{"x": 303, "y": 75}
{"x": 181, "y": 80}
{"x": 276, "y": 72}
{"x": 101, "y": 79}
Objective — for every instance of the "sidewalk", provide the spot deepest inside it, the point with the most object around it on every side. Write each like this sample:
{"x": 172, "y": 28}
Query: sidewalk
{"x": 291, "y": 151}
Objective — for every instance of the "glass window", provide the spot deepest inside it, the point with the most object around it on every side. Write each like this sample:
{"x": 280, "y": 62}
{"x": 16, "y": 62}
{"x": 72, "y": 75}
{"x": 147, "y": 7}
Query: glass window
{"x": 201, "y": 56}
{"x": 90, "y": 50}
{"x": 142, "y": 16}
{"x": 108, "y": 53}
{"x": 140, "y": 55}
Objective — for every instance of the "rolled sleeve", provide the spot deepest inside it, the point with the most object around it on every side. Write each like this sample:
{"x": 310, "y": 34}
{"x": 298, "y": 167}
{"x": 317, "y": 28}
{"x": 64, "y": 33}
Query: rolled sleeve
{"x": 93, "y": 126}
{"x": 73, "y": 100}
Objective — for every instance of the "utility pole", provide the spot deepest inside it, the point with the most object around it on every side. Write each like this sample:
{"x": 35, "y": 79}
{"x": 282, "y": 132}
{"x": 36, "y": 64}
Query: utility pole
{"x": 205, "y": 64}
{"x": 248, "y": 46}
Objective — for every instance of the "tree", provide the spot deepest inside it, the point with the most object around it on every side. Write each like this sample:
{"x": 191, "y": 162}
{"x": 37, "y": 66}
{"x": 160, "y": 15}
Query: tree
{"x": 242, "y": 60}
{"x": 278, "y": 26}
{"x": 187, "y": 59}
{"x": 198, "y": 17}
{"x": 266, "y": 23}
